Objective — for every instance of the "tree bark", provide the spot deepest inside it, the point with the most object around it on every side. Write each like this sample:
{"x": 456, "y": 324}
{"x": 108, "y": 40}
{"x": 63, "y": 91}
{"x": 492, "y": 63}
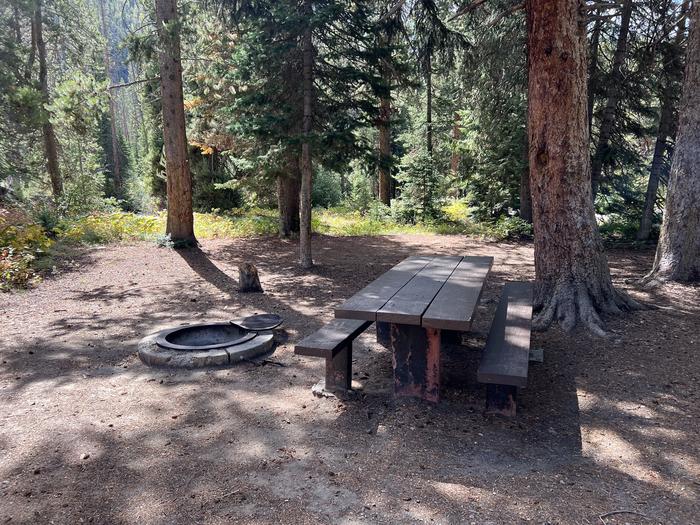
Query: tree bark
{"x": 116, "y": 159}
{"x": 180, "y": 220}
{"x": 593, "y": 67}
{"x": 47, "y": 130}
{"x": 305, "y": 258}
{"x": 288, "y": 187}
{"x": 613, "y": 95}
{"x": 572, "y": 276}
{"x": 672, "y": 68}
{"x": 678, "y": 252}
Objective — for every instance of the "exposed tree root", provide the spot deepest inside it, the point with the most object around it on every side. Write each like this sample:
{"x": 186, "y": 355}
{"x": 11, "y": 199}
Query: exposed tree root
{"x": 569, "y": 303}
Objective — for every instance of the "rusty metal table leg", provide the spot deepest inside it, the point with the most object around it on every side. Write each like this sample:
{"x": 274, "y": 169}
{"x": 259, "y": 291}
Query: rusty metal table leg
{"x": 501, "y": 399}
{"x": 339, "y": 370}
{"x": 384, "y": 334}
{"x": 416, "y": 359}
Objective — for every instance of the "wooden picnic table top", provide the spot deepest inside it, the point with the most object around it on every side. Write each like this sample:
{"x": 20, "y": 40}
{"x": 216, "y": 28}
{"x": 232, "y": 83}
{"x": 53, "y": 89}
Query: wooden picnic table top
{"x": 435, "y": 291}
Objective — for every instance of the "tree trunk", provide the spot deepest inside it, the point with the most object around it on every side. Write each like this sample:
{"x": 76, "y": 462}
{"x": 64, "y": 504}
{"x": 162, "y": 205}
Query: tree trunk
{"x": 613, "y": 91}
{"x": 525, "y": 195}
{"x": 678, "y": 252}
{"x": 429, "y": 106}
{"x": 180, "y": 221}
{"x": 455, "y": 157}
{"x": 384, "y": 130}
{"x": 672, "y": 68}
{"x": 305, "y": 258}
{"x": 572, "y": 277}
{"x": 288, "y": 187}
{"x": 385, "y": 150}
{"x": 593, "y": 67}
{"x": 116, "y": 158}
{"x": 47, "y": 131}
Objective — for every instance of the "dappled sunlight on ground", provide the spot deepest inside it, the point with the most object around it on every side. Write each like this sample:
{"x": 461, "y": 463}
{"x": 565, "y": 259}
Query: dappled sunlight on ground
{"x": 87, "y": 431}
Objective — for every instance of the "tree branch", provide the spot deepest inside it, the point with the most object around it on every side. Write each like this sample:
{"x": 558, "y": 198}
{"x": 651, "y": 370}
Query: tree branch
{"x": 467, "y": 9}
{"x": 133, "y": 82}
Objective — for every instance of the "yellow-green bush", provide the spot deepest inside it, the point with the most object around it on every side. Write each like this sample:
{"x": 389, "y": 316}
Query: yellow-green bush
{"x": 20, "y": 244}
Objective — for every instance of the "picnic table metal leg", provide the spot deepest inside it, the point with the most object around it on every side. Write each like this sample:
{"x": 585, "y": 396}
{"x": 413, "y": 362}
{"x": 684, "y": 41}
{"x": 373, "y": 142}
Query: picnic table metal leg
{"x": 416, "y": 360}
{"x": 339, "y": 370}
{"x": 384, "y": 334}
{"x": 501, "y": 399}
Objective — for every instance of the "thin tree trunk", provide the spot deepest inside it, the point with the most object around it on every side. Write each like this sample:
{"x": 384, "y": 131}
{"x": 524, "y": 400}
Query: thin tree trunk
{"x": 572, "y": 276}
{"x": 180, "y": 221}
{"x": 116, "y": 158}
{"x": 673, "y": 65}
{"x": 678, "y": 252}
{"x": 47, "y": 131}
{"x": 384, "y": 127}
{"x": 288, "y": 187}
{"x": 455, "y": 157}
{"x": 429, "y": 106}
{"x": 305, "y": 258}
{"x": 613, "y": 95}
{"x": 384, "y": 130}
{"x": 593, "y": 67}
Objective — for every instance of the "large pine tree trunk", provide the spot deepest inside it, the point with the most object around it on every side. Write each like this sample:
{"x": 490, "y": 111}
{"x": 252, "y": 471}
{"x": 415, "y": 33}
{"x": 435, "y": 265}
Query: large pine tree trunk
{"x": 593, "y": 66}
{"x": 180, "y": 221}
{"x": 613, "y": 95}
{"x": 305, "y": 258}
{"x": 572, "y": 277}
{"x": 288, "y": 187}
{"x": 673, "y": 69}
{"x": 47, "y": 131}
{"x": 678, "y": 252}
{"x": 116, "y": 158}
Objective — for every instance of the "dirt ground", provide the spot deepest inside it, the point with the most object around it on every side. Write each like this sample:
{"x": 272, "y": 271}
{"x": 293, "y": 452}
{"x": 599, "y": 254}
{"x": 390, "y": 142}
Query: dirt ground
{"x": 90, "y": 434}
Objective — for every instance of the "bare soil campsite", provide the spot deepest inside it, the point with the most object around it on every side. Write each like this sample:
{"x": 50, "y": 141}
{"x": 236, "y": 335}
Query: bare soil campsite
{"x": 606, "y": 430}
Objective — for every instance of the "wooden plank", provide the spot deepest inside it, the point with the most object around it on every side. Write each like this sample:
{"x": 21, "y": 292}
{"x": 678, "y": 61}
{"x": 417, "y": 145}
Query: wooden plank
{"x": 365, "y": 303}
{"x": 455, "y": 304}
{"x": 507, "y": 352}
{"x": 409, "y": 303}
{"x": 329, "y": 339}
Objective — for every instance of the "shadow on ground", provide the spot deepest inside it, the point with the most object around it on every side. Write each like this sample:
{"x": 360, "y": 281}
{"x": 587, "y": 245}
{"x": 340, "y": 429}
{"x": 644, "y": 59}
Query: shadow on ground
{"x": 90, "y": 433}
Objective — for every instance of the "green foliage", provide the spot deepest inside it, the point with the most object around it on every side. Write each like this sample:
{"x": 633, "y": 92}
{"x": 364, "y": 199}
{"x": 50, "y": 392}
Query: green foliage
{"x": 420, "y": 199}
{"x": 361, "y": 197}
{"x": 326, "y": 189}
{"x": 20, "y": 244}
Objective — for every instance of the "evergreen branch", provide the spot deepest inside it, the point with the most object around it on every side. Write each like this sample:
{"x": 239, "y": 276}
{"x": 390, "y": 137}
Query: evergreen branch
{"x": 392, "y": 11}
{"x": 468, "y": 8}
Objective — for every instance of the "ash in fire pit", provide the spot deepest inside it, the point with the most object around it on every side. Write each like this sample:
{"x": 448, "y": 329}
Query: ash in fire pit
{"x": 203, "y": 337}
{"x": 202, "y": 345}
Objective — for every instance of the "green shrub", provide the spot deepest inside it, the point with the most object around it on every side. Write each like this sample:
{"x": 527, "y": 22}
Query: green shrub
{"x": 512, "y": 227}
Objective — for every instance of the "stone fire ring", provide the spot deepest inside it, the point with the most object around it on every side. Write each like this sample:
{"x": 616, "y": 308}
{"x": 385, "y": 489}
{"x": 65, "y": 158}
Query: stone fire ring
{"x": 154, "y": 355}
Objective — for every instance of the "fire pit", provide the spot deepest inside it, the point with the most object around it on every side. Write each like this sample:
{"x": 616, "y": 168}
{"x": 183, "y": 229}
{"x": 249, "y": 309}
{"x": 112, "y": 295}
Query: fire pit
{"x": 204, "y": 345}
{"x": 203, "y": 337}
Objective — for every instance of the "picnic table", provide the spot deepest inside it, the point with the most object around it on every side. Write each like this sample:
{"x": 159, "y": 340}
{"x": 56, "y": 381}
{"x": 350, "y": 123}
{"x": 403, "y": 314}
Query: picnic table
{"x": 414, "y": 302}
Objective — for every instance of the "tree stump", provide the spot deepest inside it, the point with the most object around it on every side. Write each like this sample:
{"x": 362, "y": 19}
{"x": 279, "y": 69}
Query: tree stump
{"x": 248, "y": 280}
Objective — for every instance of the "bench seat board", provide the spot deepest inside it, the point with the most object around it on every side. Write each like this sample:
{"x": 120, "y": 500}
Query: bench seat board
{"x": 365, "y": 303}
{"x": 505, "y": 358}
{"x": 455, "y": 304}
{"x": 409, "y": 303}
{"x": 331, "y": 338}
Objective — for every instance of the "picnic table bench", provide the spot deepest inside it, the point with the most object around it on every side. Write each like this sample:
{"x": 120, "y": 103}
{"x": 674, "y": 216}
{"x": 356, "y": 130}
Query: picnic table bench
{"x": 413, "y": 304}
